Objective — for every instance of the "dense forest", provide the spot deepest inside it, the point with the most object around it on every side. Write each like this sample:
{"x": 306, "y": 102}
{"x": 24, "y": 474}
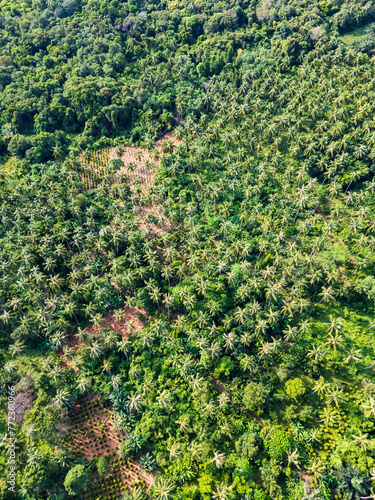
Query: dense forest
{"x": 187, "y": 249}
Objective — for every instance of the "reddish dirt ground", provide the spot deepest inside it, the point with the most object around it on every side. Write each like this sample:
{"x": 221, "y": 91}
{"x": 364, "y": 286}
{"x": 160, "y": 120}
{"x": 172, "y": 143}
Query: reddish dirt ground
{"x": 93, "y": 434}
{"x": 140, "y": 163}
{"x": 129, "y": 317}
{"x": 144, "y": 161}
{"x": 129, "y": 324}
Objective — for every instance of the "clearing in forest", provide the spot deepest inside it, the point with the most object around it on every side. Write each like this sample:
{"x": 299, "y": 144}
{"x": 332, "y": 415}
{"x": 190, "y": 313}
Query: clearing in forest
{"x": 139, "y": 168}
{"x": 357, "y": 35}
{"x": 125, "y": 321}
{"x": 94, "y": 435}
{"x": 139, "y": 164}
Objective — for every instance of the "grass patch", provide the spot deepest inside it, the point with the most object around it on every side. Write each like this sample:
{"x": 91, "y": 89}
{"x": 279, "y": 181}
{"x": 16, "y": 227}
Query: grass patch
{"x": 355, "y": 35}
{"x": 8, "y": 165}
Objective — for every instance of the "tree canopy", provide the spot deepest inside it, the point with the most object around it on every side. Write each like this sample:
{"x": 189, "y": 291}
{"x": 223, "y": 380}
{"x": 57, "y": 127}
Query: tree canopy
{"x": 216, "y": 293}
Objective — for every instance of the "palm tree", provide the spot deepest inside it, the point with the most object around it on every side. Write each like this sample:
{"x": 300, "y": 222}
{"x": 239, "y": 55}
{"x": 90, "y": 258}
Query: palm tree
{"x": 326, "y": 294}
{"x": 135, "y": 402}
{"x": 369, "y": 408}
{"x": 223, "y": 492}
{"x": 107, "y": 366}
{"x": 95, "y": 350}
{"x": 174, "y": 449}
{"x": 362, "y": 441}
{"x": 96, "y": 320}
{"x": 335, "y": 341}
{"x": 109, "y": 339}
{"x": 201, "y": 319}
{"x": 64, "y": 458}
{"x": 246, "y": 338}
{"x": 230, "y": 340}
{"x": 248, "y": 363}
{"x": 83, "y": 384}
{"x": 164, "y": 399}
{"x": 317, "y": 468}
{"x": 183, "y": 422}
{"x": 168, "y": 301}
{"x": 118, "y": 314}
{"x": 10, "y": 366}
{"x": 353, "y": 356}
{"x": 240, "y": 315}
{"x": 311, "y": 494}
{"x": 335, "y": 324}
{"x": 163, "y": 489}
{"x": 147, "y": 338}
{"x": 197, "y": 383}
{"x": 116, "y": 382}
{"x": 224, "y": 399}
{"x": 320, "y": 386}
{"x": 219, "y": 459}
{"x": 196, "y": 450}
{"x": 147, "y": 463}
{"x": 34, "y": 456}
{"x": 16, "y": 348}
{"x": 124, "y": 346}
{"x": 316, "y": 353}
{"x": 62, "y": 398}
{"x": 81, "y": 334}
{"x": 352, "y": 482}
{"x": 134, "y": 371}
{"x": 135, "y": 494}
{"x": 290, "y": 333}
{"x": 227, "y": 322}
{"x": 215, "y": 350}
{"x": 329, "y": 416}
{"x": 335, "y": 395}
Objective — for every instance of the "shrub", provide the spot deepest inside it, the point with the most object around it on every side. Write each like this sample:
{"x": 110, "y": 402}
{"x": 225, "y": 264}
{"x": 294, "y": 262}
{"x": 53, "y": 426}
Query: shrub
{"x": 247, "y": 446}
{"x": 277, "y": 443}
{"x": 76, "y": 480}
{"x": 295, "y": 388}
{"x": 255, "y": 396}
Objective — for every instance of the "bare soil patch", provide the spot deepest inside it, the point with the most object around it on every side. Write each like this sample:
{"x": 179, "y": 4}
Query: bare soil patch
{"x": 139, "y": 167}
{"x": 168, "y": 138}
{"x": 73, "y": 344}
{"x": 139, "y": 163}
{"x": 94, "y": 435}
{"x": 129, "y": 323}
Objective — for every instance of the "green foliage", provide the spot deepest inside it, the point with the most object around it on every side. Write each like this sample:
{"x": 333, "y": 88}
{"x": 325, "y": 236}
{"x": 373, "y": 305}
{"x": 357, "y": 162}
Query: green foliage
{"x": 255, "y": 395}
{"x": 225, "y": 366}
{"x": 352, "y": 483}
{"x": 76, "y": 480}
{"x": 277, "y": 443}
{"x": 102, "y": 466}
{"x": 295, "y": 388}
{"x": 248, "y": 445}
{"x": 225, "y": 306}
{"x": 205, "y": 484}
